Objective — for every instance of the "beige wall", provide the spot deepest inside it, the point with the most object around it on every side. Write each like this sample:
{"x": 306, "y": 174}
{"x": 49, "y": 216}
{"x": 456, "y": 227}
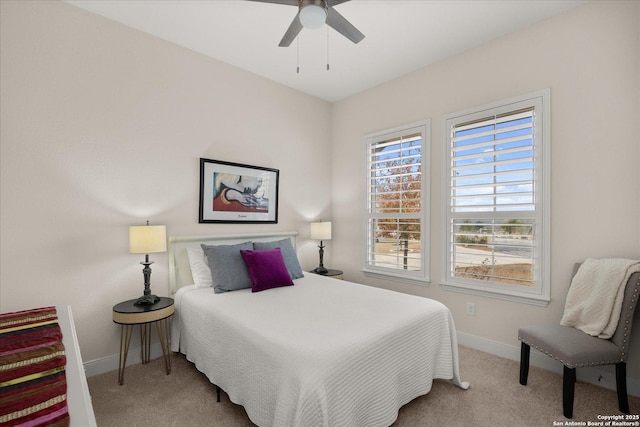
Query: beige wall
{"x": 589, "y": 57}
{"x": 102, "y": 127}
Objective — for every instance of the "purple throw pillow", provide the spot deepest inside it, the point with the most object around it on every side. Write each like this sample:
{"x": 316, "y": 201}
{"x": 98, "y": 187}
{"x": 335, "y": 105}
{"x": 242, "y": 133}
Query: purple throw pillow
{"x": 267, "y": 269}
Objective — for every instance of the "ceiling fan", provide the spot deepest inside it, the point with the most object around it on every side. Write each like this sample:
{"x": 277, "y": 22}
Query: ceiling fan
{"x": 314, "y": 14}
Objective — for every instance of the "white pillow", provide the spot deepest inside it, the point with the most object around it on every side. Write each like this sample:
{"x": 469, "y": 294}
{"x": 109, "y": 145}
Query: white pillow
{"x": 199, "y": 268}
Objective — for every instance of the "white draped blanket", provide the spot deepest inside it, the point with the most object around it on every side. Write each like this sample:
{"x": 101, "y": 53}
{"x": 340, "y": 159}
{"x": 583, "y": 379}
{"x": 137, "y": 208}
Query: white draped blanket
{"x": 594, "y": 300}
{"x": 323, "y": 352}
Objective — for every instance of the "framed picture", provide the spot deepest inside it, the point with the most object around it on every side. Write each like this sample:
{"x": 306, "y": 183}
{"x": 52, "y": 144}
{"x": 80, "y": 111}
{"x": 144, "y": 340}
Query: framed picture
{"x": 232, "y": 192}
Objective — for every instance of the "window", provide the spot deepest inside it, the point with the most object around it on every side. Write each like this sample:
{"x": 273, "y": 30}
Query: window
{"x": 496, "y": 200}
{"x": 397, "y": 194}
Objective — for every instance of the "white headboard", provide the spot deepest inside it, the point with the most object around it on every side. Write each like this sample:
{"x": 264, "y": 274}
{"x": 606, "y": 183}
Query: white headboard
{"x": 179, "y": 270}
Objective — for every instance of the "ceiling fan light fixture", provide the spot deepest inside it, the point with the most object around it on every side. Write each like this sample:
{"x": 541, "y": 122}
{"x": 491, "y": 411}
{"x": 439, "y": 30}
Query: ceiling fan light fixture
{"x": 313, "y": 17}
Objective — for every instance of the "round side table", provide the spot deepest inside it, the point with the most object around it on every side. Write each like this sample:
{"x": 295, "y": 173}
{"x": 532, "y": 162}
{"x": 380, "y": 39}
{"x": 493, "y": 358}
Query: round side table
{"x": 336, "y": 274}
{"x": 128, "y": 315}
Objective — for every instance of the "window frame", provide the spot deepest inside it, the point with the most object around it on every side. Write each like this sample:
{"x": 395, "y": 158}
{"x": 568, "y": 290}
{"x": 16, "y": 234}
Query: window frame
{"x": 540, "y": 293}
{"x": 420, "y": 277}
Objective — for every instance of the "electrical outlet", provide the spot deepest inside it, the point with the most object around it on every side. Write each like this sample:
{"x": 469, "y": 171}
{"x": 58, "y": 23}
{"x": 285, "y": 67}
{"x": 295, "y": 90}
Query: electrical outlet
{"x": 471, "y": 309}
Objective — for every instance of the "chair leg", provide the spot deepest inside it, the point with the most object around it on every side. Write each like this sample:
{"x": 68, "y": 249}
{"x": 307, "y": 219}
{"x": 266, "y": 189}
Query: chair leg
{"x": 568, "y": 388}
{"x": 621, "y": 386}
{"x": 525, "y": 349}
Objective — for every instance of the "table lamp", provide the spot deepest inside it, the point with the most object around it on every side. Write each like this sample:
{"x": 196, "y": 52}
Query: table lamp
{"x": 321, "y": 231}
{"x": 147, "y": 239}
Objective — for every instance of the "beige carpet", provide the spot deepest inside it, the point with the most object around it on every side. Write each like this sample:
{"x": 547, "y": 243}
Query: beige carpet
{"x": 149, "y": 397}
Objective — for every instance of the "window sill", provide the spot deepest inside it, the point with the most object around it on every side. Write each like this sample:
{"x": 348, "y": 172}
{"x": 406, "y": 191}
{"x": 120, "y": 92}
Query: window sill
{"x": 536, "y": 300}
{"x": 397, "y": 277}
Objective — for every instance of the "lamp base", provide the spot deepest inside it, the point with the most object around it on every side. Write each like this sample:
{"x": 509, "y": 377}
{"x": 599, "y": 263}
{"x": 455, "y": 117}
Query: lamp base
{"x": 320, "y": 270}
{"x": 147, "y": 300}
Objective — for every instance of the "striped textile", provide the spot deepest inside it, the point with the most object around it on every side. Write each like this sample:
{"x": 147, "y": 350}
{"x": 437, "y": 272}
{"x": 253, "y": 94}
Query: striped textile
{"x": 33, "y": 385}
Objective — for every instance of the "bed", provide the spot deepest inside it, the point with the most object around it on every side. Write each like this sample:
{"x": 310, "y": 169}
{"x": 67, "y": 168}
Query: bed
{"x": 323, "y": 352}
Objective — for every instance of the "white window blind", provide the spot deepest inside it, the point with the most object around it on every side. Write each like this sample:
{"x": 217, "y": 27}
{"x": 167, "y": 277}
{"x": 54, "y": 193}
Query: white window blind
{"x": 396, "y": 202}
{"x": 496, "y": 208}
{"x": 493, "y": 163}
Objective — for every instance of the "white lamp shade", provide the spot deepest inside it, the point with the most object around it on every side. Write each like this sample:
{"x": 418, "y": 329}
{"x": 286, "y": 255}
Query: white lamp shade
{"x": 321, "y": 230}
{"x": 313, "y": 17}
{"x": 147, "y": 239}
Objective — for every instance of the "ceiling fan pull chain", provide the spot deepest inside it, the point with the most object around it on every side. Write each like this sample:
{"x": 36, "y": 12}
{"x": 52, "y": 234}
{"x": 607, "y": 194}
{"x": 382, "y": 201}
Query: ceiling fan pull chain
{"x": 298, "y": 54}
{"x": 327, "y": 48}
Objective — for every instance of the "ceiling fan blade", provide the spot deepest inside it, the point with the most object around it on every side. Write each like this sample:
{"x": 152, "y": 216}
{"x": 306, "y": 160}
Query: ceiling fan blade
{"x": 344, "y": 27}
{"x": 331, "y": 3}
{"x": 286, "y": 2}
{"x": 292, "y": 31}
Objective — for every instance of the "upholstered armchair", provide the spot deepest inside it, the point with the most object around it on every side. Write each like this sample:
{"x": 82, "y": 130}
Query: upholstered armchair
{"x": 575, "y": 349}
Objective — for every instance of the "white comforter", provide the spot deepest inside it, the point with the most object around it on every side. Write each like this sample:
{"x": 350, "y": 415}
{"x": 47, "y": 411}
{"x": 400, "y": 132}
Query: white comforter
{"x": 323, "y": 352}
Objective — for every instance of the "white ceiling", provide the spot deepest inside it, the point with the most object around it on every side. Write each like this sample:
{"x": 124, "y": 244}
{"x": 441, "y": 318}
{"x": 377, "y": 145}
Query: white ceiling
{"x": 401, "y": 35}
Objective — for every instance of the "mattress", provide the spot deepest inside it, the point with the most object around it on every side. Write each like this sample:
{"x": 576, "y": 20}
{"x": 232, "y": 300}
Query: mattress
{"x": 323, "y": 352}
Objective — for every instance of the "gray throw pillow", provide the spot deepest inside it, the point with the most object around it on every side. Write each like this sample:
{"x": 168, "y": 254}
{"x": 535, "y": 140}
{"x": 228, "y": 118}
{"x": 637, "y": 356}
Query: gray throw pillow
{"x": 288, "y": 253}
{"x": 229, "y": 272}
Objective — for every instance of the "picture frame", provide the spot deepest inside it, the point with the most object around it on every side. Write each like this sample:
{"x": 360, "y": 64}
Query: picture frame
{"x": 234, "y": 192}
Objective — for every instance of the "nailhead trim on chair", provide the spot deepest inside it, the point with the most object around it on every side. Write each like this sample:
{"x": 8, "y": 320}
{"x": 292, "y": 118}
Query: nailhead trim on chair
{"x": 574, "y": 365}
{"x": 623, "y": 353}
{"x": 628, "y": 319}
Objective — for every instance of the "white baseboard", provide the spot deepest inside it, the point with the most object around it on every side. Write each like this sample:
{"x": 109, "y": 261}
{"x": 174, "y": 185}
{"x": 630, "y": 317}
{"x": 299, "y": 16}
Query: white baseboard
{"x": 596, "y": 376}
{"x": 110, "y": 363}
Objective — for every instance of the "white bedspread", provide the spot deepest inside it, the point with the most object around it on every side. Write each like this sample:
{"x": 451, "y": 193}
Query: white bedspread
{"x": 324, "y": 352}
